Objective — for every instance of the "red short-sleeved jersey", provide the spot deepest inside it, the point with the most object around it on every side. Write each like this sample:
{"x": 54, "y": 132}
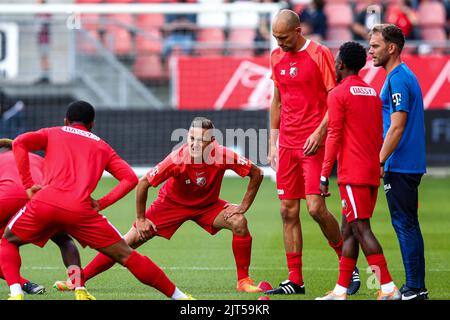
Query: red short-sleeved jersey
{"x": 195, "y": 185}
{"x": 355, "y": 133}
{"x": 74, "y": 163}
{"x": 10, "y": 182}
{"x": 303, "y": 79}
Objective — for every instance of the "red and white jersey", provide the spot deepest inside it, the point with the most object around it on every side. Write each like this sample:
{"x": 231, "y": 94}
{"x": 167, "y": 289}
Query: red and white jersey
{"x": 10, "y": 182}
{"x": 303, "y": 79}
{"x": 355, "y": 133}
{"x": 196, "y": 185}
{"x": 74, "y": 163}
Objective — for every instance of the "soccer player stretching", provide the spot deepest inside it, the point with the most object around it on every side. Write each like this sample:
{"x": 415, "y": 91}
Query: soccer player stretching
{"x": 13, "y": 197}
{"x": 194, "y": 174}
{"x": 74, "y": 162}
{"x": 354, "y": 138}
{"x": 303, "y": 73}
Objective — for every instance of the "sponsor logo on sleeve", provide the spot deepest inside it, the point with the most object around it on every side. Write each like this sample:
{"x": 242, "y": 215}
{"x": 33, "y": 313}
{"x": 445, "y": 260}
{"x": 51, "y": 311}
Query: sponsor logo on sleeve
{"x": 397, "y": 98}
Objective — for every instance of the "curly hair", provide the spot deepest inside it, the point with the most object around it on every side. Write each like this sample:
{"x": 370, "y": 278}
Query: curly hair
{"x": 353, "y": 55}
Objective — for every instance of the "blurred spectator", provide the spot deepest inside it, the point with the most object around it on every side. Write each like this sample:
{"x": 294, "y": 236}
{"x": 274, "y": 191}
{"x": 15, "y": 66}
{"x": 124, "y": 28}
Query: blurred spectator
{"x": 313, "y": 20}
{"x": 179, "y": 33}
{"x": 366, "y": 19}
{"x": 404, "y": 16}
{"x": 44, "y": 43}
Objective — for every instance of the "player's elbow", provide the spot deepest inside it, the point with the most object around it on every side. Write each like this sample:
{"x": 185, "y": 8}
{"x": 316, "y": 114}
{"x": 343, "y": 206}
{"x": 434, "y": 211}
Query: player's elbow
{"x": 132, "y": 180}
{"x": 257, "y": 174}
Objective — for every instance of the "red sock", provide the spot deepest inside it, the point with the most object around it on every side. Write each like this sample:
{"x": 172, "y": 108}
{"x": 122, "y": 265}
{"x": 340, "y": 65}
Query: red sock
{"x": 294, "y": 263}
{"x": 346, "y": 267}
{"x": 337, "y": 247}
{"x": 100, "y": 264}
{"x": 377, "y": 263}
{"x": 11, "y": 262}
{"x": 242, "y": 250}
{"x": 22, "y": 280}
{"x": 149, "y": 273}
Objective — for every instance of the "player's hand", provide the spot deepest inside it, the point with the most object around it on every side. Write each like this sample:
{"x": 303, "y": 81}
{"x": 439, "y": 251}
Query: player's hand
{"x": 381, "y": 172}
{"x": 95, "y": 204}
{"x": 272, "y": 158}
{"x": 144, "y": 228}
{"x": 324, "y": 182}
{"x": 312, "y": 144}
{"x": 231, "y": 209}
{"x": 31, "y": 192}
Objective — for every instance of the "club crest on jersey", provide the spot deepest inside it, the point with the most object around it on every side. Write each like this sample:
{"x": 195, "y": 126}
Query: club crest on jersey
{"x": 201, "y": 181}
{"x": 293, "y": 72}
{"x": 344, "y": 204}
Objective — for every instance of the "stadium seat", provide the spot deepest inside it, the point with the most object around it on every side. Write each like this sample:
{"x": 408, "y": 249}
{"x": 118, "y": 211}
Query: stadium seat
{"x": 117, "y": 37}
{"x": 151, "y": 42}
{"x": 88, "y": 1}
{"x": 211, "y": 36}
{"x": 91, "y": 24}
{"x": 339, "y": 18}
{"x": 242, "y": 38}
{"x": 339, "y": 34}
{"x": 432, "y": 21}
{"x": 431, "y": 14}
{"x": 149, "y": 67}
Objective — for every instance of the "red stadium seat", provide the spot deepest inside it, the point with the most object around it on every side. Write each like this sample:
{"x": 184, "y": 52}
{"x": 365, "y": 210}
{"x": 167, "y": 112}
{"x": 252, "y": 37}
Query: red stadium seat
{"x": 211, "y": 36}
{"x": 339, "y": 34}
{"x": 339, "y": 18}
{"x": 242, "y": 38}
{"x": 117, "y": 37}
{"x": 150, "y": 20}
{"x": 149, "y": 67}
{"x": 150, "y": 25}
{"x": 338, "y": 14}
{"x": 431, "y": 14}
{"x": 91, "y": 23}
{"x": 151, "y": 42}
{"x": 88, "y": 1}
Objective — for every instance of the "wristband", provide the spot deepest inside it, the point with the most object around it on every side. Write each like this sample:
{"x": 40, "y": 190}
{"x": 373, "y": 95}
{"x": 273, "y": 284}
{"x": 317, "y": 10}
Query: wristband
{"x": 324, "y": 181}
{"x": 382, "y": 164}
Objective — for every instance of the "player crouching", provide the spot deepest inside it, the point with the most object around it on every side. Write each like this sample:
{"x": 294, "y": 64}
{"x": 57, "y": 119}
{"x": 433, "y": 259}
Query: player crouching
{"x": 194, "y": 174}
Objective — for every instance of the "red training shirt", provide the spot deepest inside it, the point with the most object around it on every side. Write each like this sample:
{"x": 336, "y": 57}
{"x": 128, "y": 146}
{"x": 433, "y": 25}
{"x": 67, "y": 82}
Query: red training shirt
{"x": 10, "y": 182}
{"x": 74, "y": 162}
{"x": 195, "y": 185}
{"x": 355, "y": 133}
{"x": 303, "y": 79}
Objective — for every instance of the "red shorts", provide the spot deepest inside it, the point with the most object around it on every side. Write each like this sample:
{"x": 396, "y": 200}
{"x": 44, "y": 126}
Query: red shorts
{"x": 168, "y": 216}
{"x": 298, "y": 175}
{"x": 358, "y": 202}
{"x": 8, "y": 208}
{"x": 37, "y": 222}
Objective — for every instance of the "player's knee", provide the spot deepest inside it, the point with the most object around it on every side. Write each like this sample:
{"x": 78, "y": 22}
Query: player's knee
{"x": 8, "y": 235}
{"x": 239, "y": 224}
{"x": 317, "y": 212}
{"x": 289, "y": 214}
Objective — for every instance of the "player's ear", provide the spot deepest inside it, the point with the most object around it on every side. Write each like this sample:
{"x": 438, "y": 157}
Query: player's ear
{"x": 66, "y": 122}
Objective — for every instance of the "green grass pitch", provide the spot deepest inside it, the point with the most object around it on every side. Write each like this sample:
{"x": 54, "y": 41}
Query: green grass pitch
{"x": 203, "y": 265}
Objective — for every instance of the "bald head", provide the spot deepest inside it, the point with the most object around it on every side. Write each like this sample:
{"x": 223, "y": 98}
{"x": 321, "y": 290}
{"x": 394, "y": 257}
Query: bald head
{"x": 287, "y": 31}
{"x": 286, "y": 20}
